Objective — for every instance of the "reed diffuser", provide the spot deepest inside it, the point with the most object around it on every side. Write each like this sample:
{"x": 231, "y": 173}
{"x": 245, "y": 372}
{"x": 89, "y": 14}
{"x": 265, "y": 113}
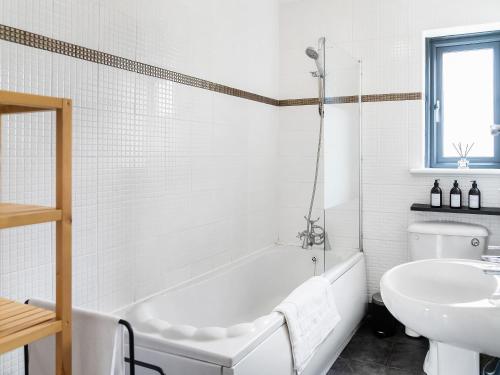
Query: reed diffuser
{"x": 463, "y": 152}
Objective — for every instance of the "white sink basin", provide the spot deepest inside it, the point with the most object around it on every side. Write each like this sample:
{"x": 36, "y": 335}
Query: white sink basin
{"x": 451, "y": 302}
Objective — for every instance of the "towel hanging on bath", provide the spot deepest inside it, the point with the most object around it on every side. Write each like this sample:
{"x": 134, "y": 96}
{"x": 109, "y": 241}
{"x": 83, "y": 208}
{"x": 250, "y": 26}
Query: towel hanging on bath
{"x": 98, "y": 345}
{"x": 311, "y": 314}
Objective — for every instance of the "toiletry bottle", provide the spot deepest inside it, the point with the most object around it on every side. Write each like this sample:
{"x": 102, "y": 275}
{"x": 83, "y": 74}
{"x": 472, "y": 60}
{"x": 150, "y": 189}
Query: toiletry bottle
{"x": 455, "y": 196}
{"x": 436, "y": 195}
{"x": 474, "y": 197}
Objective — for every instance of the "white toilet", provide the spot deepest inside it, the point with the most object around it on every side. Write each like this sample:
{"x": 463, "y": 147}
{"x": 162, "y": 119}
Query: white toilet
{"x": 438, "y": 239}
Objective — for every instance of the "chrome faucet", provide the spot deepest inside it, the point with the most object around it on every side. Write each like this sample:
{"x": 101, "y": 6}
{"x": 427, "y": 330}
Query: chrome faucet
{"x": 495, "y": 264}
{"x": 314, "y": 234}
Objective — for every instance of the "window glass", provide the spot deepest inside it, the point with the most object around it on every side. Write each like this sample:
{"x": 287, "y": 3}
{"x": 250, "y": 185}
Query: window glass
{"x": 468, "y": 101}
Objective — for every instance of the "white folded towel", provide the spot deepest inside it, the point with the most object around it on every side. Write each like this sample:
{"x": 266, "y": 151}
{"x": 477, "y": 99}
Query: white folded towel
{"x": 98, "y": 345}
{"x": 311, "y": 314}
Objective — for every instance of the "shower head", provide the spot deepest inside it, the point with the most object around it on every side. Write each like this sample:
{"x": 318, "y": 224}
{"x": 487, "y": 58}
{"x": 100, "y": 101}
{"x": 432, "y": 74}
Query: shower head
{"x": 313, "y": 54}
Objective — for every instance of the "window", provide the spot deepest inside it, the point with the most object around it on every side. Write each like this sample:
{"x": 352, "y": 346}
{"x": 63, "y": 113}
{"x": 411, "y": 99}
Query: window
{"x": 463, "y": 99}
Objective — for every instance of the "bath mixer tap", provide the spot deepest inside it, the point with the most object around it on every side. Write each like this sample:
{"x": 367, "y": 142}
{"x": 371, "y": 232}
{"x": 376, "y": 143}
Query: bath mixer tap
{"x": 494, "y": 260}
{"x": 314, "y": 234}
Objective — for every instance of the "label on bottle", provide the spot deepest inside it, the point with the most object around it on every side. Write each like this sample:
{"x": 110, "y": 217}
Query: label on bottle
{"x": 455, "y": 200}
{"x": 435, "y": 200}
{"x": 474, "y": 201}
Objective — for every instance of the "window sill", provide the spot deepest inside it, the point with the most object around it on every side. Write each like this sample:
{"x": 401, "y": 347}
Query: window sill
{"x": 454, "y": 171}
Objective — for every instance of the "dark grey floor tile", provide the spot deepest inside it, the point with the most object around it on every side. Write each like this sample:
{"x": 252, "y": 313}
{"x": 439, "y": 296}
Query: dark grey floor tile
{"x": 396, "y": 371}
{"x": 340, "y": 367}
{"x": 364, "y": 330}
{"x": 408, "y": 355}
{"x": 368, "y": 348}
{"x": 352, "y": 367}
{"x": 395, "y": 355}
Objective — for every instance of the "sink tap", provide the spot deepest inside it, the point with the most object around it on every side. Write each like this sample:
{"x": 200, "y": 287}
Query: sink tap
{"x": 494, "y": 260}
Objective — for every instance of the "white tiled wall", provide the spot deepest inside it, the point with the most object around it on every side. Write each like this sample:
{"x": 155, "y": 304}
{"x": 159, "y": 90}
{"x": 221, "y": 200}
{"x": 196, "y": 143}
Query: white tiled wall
{"x": 170, "y": 181}
{"x": 386, "y": 35}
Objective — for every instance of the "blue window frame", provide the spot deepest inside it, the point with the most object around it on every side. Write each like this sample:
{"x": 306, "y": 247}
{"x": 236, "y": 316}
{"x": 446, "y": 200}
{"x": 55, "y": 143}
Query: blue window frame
{"x": 436, "y": 122}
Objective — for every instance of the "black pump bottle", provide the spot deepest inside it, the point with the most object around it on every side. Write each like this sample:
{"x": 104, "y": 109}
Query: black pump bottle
{"x": 436, "y": 195}
{"x": 455, "y": 196}
{"x": 474, "y": 197}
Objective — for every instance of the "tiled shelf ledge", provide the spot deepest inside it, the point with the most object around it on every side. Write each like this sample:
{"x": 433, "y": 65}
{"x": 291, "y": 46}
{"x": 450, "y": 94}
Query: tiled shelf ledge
{"x": 453, "y": 171}
{"x": 464, "y": 210}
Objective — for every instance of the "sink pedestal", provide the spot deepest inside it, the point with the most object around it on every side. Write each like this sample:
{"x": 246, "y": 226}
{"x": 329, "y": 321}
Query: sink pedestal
{"x": 444, "y": 359}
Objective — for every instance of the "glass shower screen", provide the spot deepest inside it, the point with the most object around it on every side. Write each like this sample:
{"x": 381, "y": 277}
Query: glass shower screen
{"x": 341, "y": 154}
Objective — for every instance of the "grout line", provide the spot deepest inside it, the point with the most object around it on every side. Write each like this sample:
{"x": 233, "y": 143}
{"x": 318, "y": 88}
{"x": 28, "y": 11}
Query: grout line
{"x": 26, "y": 38}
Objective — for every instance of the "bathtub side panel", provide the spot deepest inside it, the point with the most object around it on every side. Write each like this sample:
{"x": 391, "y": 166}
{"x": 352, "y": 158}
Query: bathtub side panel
{"x": 274, "y": 357}
{"x": 350, "y": 295}
{"x": 173, "y": 364}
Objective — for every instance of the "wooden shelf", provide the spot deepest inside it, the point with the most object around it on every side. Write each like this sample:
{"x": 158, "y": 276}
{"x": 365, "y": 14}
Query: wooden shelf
{"x": 13, "y": 215}
{"x": 463, "y": 210}
{"x": 22, "y": 324}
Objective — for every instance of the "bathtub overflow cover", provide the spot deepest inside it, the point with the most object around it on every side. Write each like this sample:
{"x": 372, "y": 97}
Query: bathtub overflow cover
{"x": 475, "y": 242}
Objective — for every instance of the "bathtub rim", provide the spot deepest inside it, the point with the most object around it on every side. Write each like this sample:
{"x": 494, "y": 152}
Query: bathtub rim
{"x": 231, "y": 357}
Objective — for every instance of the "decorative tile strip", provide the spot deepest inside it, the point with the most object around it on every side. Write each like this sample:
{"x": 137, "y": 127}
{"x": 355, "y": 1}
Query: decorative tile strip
{"x": 392, "y": 97}
{"x": 314, "y": 101}
{"x": 29, "y": 39}
{"x": 296, "y": 102}
{"x": 342, "y": 99}
{"x": 353, "y": 99}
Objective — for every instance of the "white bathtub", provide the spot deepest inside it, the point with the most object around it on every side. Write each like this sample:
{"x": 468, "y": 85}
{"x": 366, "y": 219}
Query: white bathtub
{"x": 222, "y": 323}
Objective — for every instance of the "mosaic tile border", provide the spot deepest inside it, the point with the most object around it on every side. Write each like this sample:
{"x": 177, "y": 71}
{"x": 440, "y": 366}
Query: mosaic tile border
{"x": 297, "y": 102}
{"x": 26, "y": 38}
{"x": 342, "y": 99}
{"x": 391, "y": 97}
{"x": 314, "y": 101}
{"x": 354, "y": 99}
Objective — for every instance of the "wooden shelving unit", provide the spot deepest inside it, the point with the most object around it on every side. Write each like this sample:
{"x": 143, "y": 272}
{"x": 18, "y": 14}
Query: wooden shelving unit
{"x": 22, "y": 324}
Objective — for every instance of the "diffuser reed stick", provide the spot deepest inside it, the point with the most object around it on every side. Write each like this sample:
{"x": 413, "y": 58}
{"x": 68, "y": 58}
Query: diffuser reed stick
{"x": 463, "y": 152}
